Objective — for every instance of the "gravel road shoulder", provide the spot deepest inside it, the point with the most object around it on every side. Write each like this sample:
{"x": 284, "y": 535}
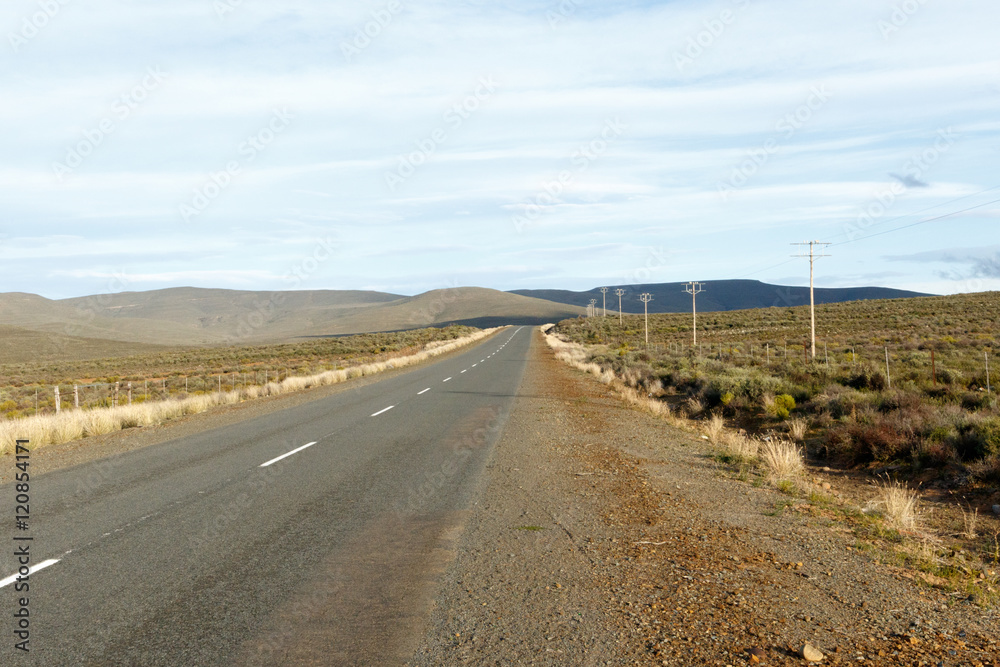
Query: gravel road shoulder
{"x": 601, "y": 535}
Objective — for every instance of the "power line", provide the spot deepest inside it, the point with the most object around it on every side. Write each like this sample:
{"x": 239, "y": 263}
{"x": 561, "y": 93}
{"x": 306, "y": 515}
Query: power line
{"x": 895, "y": 229}
{"x": 920, "y": 222}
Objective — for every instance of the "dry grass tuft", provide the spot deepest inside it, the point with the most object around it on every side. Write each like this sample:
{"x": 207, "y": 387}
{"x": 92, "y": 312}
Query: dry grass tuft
{"x": 694, "y": 407}
{"x": 797, "y": 429}
{"x": 970, "y": 521}
{"x": 898, "y": 505}
{"x": 739, "y": 446}
{"x": 782, "y": 459}
{"x": 714, "y": 428}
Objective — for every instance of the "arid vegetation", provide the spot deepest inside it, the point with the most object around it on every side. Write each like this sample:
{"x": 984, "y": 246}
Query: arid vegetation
{"x": 924, "y": 439}
{"x": 197, "y": 371}
{"x": 930, "y": 410}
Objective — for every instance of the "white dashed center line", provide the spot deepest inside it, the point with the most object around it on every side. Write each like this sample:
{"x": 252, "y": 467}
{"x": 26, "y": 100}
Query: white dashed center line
{"x": 445, "y": 380}
{"x": 465, "y": 371}
{"x": 424, "y": 391}
{"x": 31, "y": 570}
{"x": 383, "y": 411}
{"x": 285, "y": 456}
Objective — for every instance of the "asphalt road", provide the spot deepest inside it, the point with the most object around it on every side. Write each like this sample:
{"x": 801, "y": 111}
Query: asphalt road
{"x": 314, "y": 535}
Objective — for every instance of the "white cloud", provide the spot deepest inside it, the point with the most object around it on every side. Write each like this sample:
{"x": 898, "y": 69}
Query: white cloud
{"x": 687, "y": 131}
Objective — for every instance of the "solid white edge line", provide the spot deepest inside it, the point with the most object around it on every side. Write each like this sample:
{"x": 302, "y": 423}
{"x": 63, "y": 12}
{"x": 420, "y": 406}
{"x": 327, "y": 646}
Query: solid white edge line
{"x": 285, "y": 456}
{"x": 31, "y": 570}
{"x": 424, "y": 391}
{"x": 383, "y": 411}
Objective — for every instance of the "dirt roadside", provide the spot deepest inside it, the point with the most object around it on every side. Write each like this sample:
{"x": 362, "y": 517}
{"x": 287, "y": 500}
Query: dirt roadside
{"x": 602, "y": 536}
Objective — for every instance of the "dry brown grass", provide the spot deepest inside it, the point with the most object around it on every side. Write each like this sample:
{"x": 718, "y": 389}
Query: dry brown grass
{"x": 782, "y": 459}
{"x": 898, "y": 504}
{"x": 575, "y": 354}
{"x": 741, "y": 447}
{"x": 797, "y": 429}
{"x": 714, "y": 428}
{"x": 970, "y": 523}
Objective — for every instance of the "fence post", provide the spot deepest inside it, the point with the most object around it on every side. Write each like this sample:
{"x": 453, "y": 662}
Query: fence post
{"x": 114, "y": 398}
{"x": 58, "y": 402}
{"x": 76, "y": 397}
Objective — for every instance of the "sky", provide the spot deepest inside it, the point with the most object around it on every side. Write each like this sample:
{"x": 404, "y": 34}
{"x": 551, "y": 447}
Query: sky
{"x": 411, "y": 145}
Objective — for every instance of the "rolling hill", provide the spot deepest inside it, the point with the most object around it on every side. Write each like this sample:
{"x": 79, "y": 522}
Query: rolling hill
{"x": 195, "y": 316}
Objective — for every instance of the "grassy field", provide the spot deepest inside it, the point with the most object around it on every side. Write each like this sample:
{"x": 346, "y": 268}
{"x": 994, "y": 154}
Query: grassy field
{"x": 156, "y": 376}
{"x": 931, "y": 414}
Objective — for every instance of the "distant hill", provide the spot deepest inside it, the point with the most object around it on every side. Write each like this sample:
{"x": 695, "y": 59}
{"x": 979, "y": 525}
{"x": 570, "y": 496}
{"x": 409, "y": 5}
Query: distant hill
{"x": 22, "y": 345}
{"x": 187, "y": 316}
{"x": 195, "y": 316}
{"x": 718, "y": 295}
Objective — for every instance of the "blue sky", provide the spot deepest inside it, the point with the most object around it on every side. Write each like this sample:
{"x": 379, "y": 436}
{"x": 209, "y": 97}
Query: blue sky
{"x": 405, "y": 145}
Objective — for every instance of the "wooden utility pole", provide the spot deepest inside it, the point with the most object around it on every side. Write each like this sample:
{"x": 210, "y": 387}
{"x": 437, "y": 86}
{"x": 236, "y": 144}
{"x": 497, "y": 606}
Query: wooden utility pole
{"x": 646, "y": 297}
{"x": 694, "y": 289}
{"x": 620, "y": 292}
{"x": 812, "y": 293}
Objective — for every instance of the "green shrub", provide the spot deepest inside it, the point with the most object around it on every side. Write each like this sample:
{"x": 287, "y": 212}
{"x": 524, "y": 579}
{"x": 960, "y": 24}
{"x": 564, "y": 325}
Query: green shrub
{"x": 867, "y": 377}
{"x": 782, "y": 406}
{"x": 979, "y": 439}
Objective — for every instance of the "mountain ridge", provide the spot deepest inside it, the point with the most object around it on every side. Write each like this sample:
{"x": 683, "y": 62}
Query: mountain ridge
{"x": 718, "y": 295}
